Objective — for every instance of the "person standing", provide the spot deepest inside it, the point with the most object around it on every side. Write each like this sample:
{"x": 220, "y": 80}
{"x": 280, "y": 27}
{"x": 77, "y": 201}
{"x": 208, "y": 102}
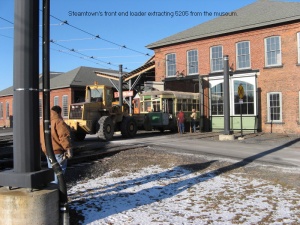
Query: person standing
{"x": 61, "y": 140}
{"x": 193, "y": 120}
{"x": 180, "y": 120}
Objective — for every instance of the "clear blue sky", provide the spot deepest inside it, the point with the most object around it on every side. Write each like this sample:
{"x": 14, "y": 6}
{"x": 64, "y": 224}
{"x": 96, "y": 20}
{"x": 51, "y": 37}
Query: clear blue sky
{"x": 120, "y": 28}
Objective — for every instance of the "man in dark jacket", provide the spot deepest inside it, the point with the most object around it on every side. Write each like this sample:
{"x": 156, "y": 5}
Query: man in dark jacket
{"x": 61, "y": 141}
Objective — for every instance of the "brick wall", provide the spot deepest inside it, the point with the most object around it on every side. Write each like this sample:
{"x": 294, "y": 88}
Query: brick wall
{"x": 284, "y": 79}
{"x": 4, "y": 121}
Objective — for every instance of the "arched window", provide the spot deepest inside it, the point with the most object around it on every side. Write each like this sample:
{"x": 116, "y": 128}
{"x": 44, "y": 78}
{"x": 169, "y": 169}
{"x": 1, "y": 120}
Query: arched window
{"x": 248, "y": 99}
{"x": 217, "y": 93}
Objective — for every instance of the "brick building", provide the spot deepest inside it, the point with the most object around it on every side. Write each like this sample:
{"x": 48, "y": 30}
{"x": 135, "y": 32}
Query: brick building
{"x": 66, "y": 88}
{"x": 262, "y": 41}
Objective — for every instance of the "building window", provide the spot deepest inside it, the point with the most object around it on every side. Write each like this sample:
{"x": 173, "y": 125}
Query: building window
{"x": 248, "y": 99}
{"x": 217, "y": 93}
{"x": 299, "y": 109}
{"x": 65, "y": 106}
{"x": 1, "y": 110}
{"x": 7, "y": 110}
{"x": 56, "y": 100}
{"x": 192, "y": 57}
{"x": 243, "y": 55}
{"x": 216, "y": 58}
{"x": 171, "y": 64}
{"x": 273, "y": 51}
{"x": 274, "y": 107}
{"x": 298, "y": 41}
{"x": 40, "y": 108}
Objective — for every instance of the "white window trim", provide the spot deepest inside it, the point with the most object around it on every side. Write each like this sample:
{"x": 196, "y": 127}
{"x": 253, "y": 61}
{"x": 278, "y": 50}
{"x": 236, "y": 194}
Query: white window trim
{"x": 298, "y": 44}
{"x": 211, "y": 64}
{"x": 167, "y": 65}
{"x": 248, "y": 79}
{"x": 7, "y": 110}
{"x": 214, "y": 81}
{"x": 187, "y": 59}
{"x": 56, "y": 97}
{"x": 62, "y": 108}
{"x": 266, "y": 58}
{"x": 236, "y": 50}
{"x": 40, "y": 108}
{"x": 268, "y": 107}
{"x": 1, "y": 104}
{"x": 299, "y": 109}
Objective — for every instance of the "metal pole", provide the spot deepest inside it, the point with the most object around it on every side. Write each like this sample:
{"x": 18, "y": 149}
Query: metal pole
{"x": 200, "y": 103}
{"x": 130, "y": 98}
{"x": 26, "y": 86}
{"x": 241, "y": 119}
{"x": 226, "y": 96}
{"x": 121, "y": 85}
{"x": 27, "y": 171}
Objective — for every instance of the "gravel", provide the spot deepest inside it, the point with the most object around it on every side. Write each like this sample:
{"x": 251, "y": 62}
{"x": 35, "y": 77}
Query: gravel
{"x": 130, "y": 161}
{"x": 136, "y": 159}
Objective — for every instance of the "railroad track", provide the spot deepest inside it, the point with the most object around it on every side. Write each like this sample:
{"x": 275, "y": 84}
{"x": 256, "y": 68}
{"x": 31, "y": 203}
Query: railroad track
{"x": 83, "y": 154}
{"x": 6, "y": 140}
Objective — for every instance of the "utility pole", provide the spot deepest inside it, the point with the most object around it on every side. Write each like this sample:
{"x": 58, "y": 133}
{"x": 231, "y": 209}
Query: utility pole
{"x": 27, "y": 171}
{"x": 226, "y": 102}
{"x": 22, "y": 192}
{"x": 121, "y": 85}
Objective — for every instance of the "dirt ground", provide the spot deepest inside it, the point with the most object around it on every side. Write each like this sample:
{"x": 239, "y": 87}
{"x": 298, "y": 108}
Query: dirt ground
{"x": 133, "y": 160}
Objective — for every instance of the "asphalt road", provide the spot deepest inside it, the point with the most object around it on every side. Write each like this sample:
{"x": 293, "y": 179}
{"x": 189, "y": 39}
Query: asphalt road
{"x": 279, "y": 149}
{"x": 284, "y": 152}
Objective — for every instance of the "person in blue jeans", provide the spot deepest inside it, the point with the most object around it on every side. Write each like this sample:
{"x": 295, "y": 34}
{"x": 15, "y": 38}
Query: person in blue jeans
{"x": 61, "y": 141}
{"x": 180, "y": 120}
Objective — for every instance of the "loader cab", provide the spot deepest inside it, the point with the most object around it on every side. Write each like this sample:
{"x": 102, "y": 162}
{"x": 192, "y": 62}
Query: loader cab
{"x": 99, "y": 93}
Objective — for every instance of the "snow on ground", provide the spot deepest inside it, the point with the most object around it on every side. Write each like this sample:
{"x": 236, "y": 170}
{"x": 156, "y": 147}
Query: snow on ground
{"x": 178, "y": 196}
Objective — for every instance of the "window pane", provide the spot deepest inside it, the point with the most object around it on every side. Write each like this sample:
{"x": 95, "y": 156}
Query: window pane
{"x": 216, "y": 58}
{"x": 56, "y": 101}
{"x": 171, "y": 64}
{"x": 243, "y": 55}
{"x": 192, "y": 62}
{"x": 1, "y": 110}
{"x": 273, "y": 51}
{"x": 40, "y": 108}
{"x": 274, "y": 107}
{"x": 248, "y": 98}
{"x": 217, "y": 99}
{"x": 65, "y": 106}
{"x": 7, "y": 110}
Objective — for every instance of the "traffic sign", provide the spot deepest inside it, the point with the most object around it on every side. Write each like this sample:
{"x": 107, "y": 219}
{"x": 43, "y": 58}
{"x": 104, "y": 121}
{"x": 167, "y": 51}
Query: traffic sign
{"x": 241, "y": 91}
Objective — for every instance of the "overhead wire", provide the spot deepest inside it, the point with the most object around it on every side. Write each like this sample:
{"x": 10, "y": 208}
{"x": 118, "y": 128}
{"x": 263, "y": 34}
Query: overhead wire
{"x": 83, "y": 56}
{"x": 112, "y": 42}
{"x": 62, "y": 22}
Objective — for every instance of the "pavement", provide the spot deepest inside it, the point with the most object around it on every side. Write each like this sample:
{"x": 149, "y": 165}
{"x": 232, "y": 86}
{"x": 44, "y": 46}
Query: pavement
{"x": 280, "y": 149}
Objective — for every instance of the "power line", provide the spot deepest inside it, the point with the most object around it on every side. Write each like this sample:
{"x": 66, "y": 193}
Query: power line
{"x": 98, "y": 36}
{"x": 6, "y": 20}
{"x": 114, "y": 43}
{"x": 62, "y": 22}
{"x": 84, "y": 57}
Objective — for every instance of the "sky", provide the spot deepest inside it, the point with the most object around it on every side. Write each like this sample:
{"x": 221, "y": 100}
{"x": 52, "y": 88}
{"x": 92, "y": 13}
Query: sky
{"x": 175, "y": 195}
{"x": 131, "y": 23}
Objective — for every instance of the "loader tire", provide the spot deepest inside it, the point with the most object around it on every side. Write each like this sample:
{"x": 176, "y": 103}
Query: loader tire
{"x": 128, "y": 127}
{"x": 105, "y": 128}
